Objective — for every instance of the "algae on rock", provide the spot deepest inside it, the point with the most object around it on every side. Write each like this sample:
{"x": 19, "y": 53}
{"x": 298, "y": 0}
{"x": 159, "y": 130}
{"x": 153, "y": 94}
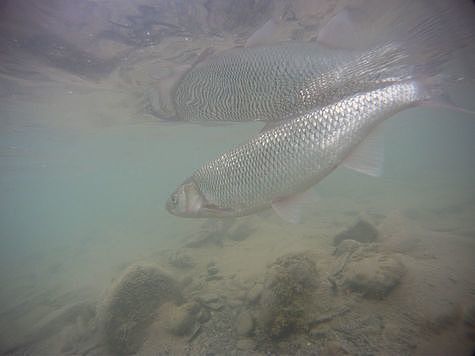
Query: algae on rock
{"x": 129, "y": 306}
{"x": 287, "y": 293}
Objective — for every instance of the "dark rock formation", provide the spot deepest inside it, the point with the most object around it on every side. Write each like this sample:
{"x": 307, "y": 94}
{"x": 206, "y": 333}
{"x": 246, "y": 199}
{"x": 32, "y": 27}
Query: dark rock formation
{"x": 362, "y": 231}
{"x": 129, "y": 305}
{"x": 288, "y": 291}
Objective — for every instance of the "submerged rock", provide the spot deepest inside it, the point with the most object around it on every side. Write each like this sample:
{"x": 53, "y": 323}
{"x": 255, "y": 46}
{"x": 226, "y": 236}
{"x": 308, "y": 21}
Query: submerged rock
{"x": 212, "y": 269}
{"x": 211, "y": 301}
{"x": 181, "y": 260}
{"x": 130, "y": 303}
{"x": 362, "y": 231}
{"x": 319, "y": 332}
{"x": 244, "y": 323}
{"x": 287, "y": 292}
{"x": 254, "y": 293}
{"x": 374, "y": 276}
{"x": 246, "y": 344}
{"x": 180, "y": 320}
{"x": 346, "y": 247}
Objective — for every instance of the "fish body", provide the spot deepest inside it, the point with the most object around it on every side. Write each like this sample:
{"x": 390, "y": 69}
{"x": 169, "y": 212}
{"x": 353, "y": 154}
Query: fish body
{"x": 383, "y": 43}
{"x": 290, "y": 158}
{"x": 272, "y": 83}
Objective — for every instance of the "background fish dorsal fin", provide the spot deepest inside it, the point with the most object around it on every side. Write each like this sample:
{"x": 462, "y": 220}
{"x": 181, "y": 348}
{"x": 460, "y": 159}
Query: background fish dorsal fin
{"x": 420, "y": 26}
{"x": 273, "y": 31}
{"x": 368, "y": 157}
{"x": 263, "y": 35}
{"x": 344, "y": 29}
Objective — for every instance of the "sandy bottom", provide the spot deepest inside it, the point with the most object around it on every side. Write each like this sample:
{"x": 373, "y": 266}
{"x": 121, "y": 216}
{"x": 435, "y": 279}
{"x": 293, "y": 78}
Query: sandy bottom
{"x": 428, "y": 230}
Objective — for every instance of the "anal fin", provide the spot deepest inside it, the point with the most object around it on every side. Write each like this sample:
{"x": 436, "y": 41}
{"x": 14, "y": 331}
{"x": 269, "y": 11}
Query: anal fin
{"x": 368, "y": 157}
{"x": 269, "y": 125}
{"x": 290, "y": 208}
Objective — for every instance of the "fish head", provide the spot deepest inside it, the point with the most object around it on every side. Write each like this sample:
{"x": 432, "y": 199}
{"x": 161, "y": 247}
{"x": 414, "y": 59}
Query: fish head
{"x": 188, "y": 201}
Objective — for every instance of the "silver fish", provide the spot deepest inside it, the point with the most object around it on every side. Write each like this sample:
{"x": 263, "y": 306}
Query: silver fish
{"x": 276, "y": 166}
{"x": 406, "y": 40}
{"x": 272, "y": 83}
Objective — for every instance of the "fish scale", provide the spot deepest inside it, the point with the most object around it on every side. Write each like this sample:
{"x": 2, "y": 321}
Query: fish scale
{"x": 271, "y": 83}
{"x": 294, "y": 156}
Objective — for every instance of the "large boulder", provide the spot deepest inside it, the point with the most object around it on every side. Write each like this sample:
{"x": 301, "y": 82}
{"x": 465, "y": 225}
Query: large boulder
{"x": 373, "y": 276}
{"x": 180, "y": 320}
{"x": 129, "y": 306}
{"x": 288, "y": 291}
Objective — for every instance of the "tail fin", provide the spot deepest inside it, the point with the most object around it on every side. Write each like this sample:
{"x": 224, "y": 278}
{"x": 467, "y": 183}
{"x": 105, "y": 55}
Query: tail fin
{"x": 429, "y": 31}
{"x": 436, "y": 96}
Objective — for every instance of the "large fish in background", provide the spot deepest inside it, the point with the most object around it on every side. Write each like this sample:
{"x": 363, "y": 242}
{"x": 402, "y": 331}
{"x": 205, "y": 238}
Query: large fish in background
{"x": 271, "y": 83}
{"x": 275, "y": 82}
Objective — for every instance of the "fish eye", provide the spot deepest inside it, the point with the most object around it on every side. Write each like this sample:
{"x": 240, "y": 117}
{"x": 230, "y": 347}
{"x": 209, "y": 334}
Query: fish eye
{"x": 174, "y": 199}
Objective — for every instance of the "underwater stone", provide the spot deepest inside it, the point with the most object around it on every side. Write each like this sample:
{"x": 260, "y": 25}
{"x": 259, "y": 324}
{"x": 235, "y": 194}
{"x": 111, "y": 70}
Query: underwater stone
{"x": 334, "y": 348}
{"x": 212, "y": 270}
{"x": 181, "y": 260}
{"x": 362, "y": 231}
{"x": 181, "y": 319}
{"x": 204, "y": 315}
{"x": 208, "y": 298}
{"x": 215, "y": 305}
{"x": 346, "y": 247}
{"x": 319, "y": 332}
{"x": 287, "y": 294}
{"x": 374, "y": 276}
{"x": 130, "y": 303}
{"x": 211, "y": 301}
{"x": 254, "y": 293}
{"x": 246, "y": 344}
{"x": 244, "y": 323}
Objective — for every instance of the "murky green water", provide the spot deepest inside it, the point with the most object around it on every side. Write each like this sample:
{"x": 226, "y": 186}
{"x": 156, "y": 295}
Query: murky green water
{"x": 85, "y": 171}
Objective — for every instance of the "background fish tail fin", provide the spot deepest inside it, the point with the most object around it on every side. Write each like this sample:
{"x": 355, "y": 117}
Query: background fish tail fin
{"x": 437, "y": 94}
{"x": 430, "y": 32}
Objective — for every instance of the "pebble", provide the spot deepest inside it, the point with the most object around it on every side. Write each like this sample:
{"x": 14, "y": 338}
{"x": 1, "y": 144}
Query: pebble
{"x": 212, "y": 270}
{"x": 181, "y": 319}
{"x": 208, "y": 298}
{"x": 211, "y": 301}
{"x": 244, "y": 323}
{"x": 246, "y": 344}
{"x": 254, "y": 293}
{"x": 318, "y": 332}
